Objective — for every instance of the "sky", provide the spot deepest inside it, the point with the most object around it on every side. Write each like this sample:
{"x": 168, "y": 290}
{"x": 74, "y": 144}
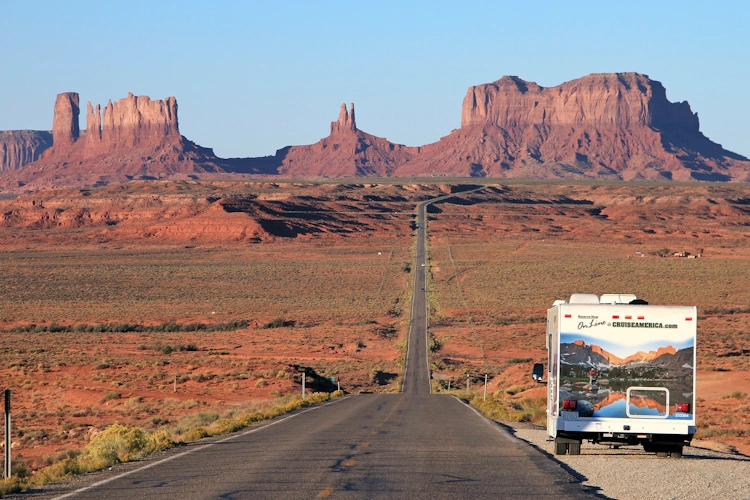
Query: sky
{"x": 252, "y": 77}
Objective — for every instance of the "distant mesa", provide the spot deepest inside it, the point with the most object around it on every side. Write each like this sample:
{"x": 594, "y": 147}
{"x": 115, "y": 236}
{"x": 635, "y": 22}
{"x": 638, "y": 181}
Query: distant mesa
{"x": 132, "y": 138}
{"x": 21, "y": 147}
{"x": 602, "y": 126}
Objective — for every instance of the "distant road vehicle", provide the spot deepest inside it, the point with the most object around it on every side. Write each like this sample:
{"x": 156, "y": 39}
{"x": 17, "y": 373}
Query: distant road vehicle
{"x": 620, "y": 371}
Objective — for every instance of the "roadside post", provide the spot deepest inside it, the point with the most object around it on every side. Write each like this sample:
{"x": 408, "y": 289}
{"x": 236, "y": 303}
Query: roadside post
{"x": 7, "y": 433}
{"x": 485, "y": 387}
{"x": 467, "y": 383}
{"x": 303, "y": 385}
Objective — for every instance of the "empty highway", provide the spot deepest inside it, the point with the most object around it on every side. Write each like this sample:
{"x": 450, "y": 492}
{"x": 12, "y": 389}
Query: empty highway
{"x": 409, "y": 445}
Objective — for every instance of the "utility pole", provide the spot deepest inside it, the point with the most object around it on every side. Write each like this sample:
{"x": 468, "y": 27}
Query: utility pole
{"x": 7, "y": 433}
{"x": 303, "y": 385}
{"x": 467, "y": 383}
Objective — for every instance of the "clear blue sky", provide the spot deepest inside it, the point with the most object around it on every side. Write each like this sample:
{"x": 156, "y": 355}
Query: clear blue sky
{"x": 252, "y": 77}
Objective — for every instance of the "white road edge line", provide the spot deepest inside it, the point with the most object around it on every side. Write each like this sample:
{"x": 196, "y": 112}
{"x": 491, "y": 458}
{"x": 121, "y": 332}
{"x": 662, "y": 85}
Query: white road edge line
{"x": 159, "y": 462}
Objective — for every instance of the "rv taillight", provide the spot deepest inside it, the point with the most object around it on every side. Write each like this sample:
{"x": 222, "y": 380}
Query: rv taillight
{"x": 568, "y": 316}
{"x": 569, "y": 404}
{"x": 683, "y": 407}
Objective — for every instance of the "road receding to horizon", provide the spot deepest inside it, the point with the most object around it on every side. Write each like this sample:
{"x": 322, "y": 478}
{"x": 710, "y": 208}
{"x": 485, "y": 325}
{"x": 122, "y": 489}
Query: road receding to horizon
{"x": 409, "y": 445}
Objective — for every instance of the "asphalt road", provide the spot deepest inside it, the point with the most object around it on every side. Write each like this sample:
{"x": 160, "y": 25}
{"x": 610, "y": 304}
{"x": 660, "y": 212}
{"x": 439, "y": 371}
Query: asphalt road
{"x": 409, "y": 445}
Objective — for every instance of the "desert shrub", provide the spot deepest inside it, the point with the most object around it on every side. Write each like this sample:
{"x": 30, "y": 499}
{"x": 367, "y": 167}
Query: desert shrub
{"x": 386, "y": 331}
{"x": 513, "y": 410}
{"x": 515, "y": 361}
{"x": 110, "y": 395}
{"x": 117, "y": 443}
{"x": 261, "y": 382}
{"x": 278, "y": 323}
{"x": 170, "y": 326}
{"x": 194, "y": 434}
{"x": 735, "y": 395}
{"x": 433, "y": 343}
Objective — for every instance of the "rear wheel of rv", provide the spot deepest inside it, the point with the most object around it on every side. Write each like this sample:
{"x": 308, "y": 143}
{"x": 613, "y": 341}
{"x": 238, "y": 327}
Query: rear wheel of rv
{"x": 560, "y": 448}
{"x": 574, "y": 448}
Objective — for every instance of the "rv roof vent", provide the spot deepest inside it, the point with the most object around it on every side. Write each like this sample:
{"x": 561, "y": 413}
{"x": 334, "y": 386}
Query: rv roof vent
{"x": 584, "y": 298}
{"x": 558, "y": 302}
{"x": 617, "y": 298}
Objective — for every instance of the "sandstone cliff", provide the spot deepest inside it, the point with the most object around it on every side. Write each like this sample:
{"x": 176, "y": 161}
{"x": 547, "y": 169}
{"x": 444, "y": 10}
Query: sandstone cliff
{"x": 605, "y": 126}
{"x": 346, "y": 152}
{"x": 65, "y": 130}
{"x": 133, "y": 138}
{"x": 618, "y": 126}
{"x": 130, "y": 122}
{"x": 20, "y": 147}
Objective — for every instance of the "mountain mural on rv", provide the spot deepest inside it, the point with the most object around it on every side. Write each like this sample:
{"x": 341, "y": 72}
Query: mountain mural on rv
{"x": 663, "y": 362}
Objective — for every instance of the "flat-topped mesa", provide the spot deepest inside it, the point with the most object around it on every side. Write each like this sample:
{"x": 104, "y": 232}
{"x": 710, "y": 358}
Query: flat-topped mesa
{"x": 65, "y": 129}
{"x": 346, "y": 122}
{"x": 131, "y": 121}
{"x": 20, "y": 147}
{"x": 621, "y": 100}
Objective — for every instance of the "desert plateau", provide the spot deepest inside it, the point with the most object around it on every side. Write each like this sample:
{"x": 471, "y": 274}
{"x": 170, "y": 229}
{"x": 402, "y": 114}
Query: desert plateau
{"x": 171, "y": 305}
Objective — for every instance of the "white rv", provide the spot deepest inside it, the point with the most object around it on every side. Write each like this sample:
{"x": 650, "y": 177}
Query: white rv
{"x": 620, "y": 371}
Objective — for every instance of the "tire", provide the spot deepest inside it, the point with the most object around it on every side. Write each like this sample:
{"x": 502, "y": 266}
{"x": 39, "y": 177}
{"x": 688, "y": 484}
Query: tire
{"x": 676, "y": 452}
{"x": 560, "y": 448}
{"x": 649, "y": 448}
{"x": 574, "y": 448}
{"x": 662, "y": 454}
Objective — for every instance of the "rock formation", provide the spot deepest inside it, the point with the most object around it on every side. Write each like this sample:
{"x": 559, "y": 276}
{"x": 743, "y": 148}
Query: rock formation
{"x": 346, "y": 152}
{"x": 20, "y": 147}
{"x": 613, "y": 126}
{"x": 618, "y": 126}
{"x": 133, "y": 138}
{"x": 65, "y": 129}
{"x": 130, "y": 122}
{"x": 346, "y": 122}
{"x": 603, "y": 126}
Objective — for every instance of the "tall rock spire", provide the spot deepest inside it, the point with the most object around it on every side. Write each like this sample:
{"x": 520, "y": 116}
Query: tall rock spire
{"x": 345, "y": 123}
{"x": 65, "y": 129}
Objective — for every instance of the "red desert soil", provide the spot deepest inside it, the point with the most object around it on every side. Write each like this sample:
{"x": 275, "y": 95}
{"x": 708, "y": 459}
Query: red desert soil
{"x": 321, "y": 274}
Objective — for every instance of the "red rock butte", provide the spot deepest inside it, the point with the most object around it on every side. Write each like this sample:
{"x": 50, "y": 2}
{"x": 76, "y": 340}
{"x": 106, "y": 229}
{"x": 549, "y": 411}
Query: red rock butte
{"x": 601, "y": 126}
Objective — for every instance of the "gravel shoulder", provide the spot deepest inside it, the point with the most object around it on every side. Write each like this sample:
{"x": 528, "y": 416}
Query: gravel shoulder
{"x": 630, "y": 473}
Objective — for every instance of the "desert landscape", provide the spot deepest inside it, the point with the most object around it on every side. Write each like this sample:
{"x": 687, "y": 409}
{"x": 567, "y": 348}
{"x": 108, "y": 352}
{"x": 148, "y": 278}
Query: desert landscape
{"x": 149, "y": 283}
{"x": 172, "y": 304}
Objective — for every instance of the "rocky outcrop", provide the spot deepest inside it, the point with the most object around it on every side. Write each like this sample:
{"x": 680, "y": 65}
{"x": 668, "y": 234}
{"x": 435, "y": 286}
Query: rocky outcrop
{"x": 65, "y": 130}
{"x": 130, "y": 122}
{"x": 133, "y": 138}
{"x": 606, "y": 126}
{"x": 601, "y": 126}
{"x": 346, "y": 123}
{"x": 20, "y": 147}
{"x": 346, "y": 152}
{"x": 621, "y": 100}
{"x": 615, "y": 125}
